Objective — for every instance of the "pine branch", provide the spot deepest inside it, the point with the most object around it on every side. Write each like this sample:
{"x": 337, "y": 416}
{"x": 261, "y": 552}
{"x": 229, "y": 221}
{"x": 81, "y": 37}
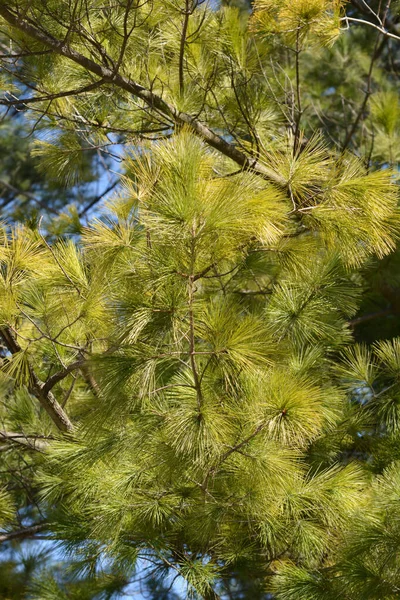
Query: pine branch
{"x": 379, "y": 28}
{"x": 35, "y": 442}
{"x": 192, "y": 348}
{"x": 231, "y": 450}
{"x": 50, "y": 97}
{"x": 298, "y": 94}
{"x": 361, "y": 112}
{"x": 241, "y": 444}
{"x": 91, "y": 382}
{"x": 186, "y": 15}
{"x": 364, "y": 7}
{"x": 152, "y": 100}
{"x": 50, "y": 249}
{"x": 98, "y": 198}
{"x": 60, "y": 375}
{"x": 36, "y": 387}
{"x": 207, "y": 595}
{"x": 192, "y": 345}
{"x": 370, "y": 316}
{"x": 22, "y": 534}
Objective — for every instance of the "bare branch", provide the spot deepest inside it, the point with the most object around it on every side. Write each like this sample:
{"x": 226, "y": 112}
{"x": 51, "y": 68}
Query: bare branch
{"x": 98, "y": 198}
{"x": 360, "y": 115}
{"x": 382, "y": 30}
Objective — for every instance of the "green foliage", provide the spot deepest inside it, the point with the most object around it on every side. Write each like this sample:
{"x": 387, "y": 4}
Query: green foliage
{"x": 197, "y": 409}
{"x": 299, "y": 18}
{"x": 188, "y": 396}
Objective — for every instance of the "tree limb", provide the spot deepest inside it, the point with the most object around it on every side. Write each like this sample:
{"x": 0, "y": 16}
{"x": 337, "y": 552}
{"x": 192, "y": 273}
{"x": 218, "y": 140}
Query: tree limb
{"x": 98, "y": 198}
{"x": 60, "y": 375}
{"x": 376, "y": 52}
{"x": 366, "y": 10}
{"x": 22, "y": 534}
{"x": 382, "y": 30}
{"x": 186, "y": 15}
{"x": 370, "y": 316}
{"x": 36, "y": 387}
{"x": 151, "y": 99}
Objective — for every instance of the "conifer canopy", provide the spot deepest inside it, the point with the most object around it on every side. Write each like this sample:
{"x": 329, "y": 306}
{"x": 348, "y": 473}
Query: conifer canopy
{"x": 200, "y": 376}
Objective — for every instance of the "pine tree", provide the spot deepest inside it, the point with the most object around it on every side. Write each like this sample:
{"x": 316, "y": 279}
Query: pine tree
{"x": 182, "y": 397}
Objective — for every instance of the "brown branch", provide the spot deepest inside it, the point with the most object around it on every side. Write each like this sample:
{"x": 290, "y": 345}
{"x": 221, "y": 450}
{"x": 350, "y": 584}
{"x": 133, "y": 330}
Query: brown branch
{"x": 186, "y": 14}
{"x": 364, "y": 8}
{"x": 60, "y": 375}
{"x": 97, "y": 198}
{"x": 231, "y": 450}
{"x": 364, "y": 103}
{"x": 379, "y": 45}
{"x": 22, "y": 534}
{"x": 36, "y": 387}
{"x": 91, "y": 382}
{"x": 23, "y": 54}
{"x": 370, "y": 316}
{"x": 298, "y": 94}
{"x": 126, "y": 36}
{"x": 210, "y": 594}
{"x": 241, "y": 444}
{"x": 253, "y": 292}
{"x": 192, "y": 336}
{"x": 192, "y": 351}
{"x": 152, "y": 100}
{"x": 252, "y": 130}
